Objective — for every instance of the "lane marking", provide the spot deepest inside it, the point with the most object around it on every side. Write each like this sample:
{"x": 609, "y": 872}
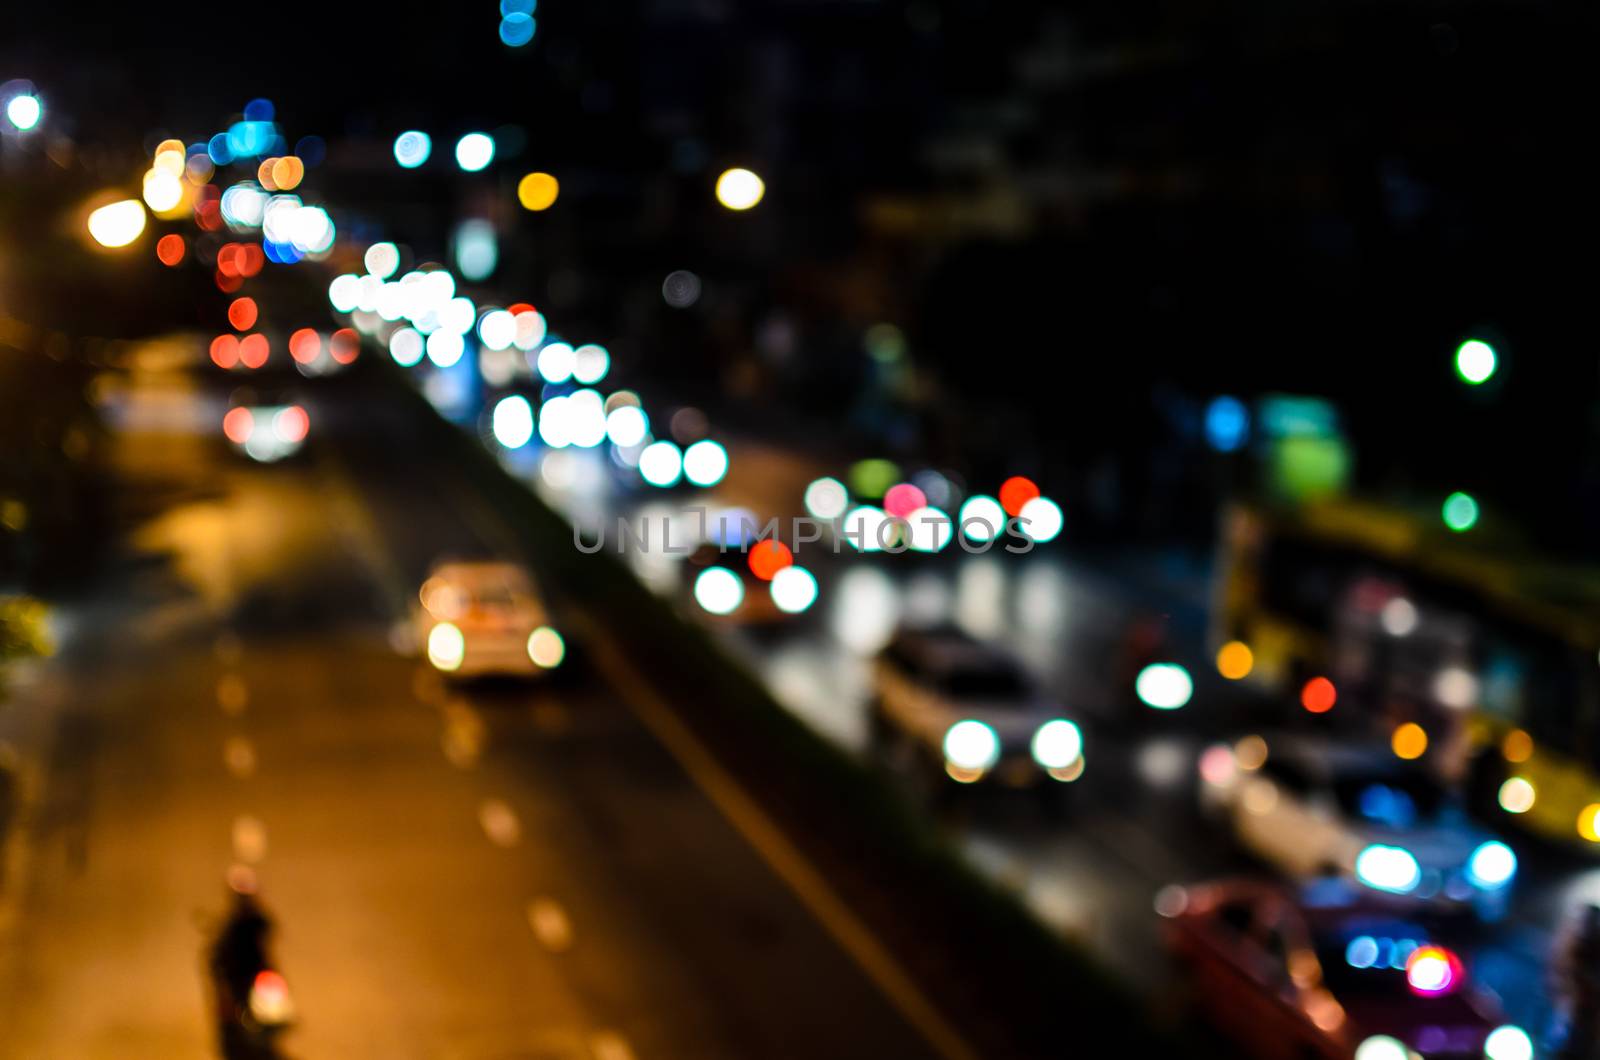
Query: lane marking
{"x": 610, "y": 1045}
{"x": 464, "y": 734}
{"x": 239, "y": 755}
{"x": 233, "y": 695}
{"x": 227, "y": 648}
{"x": 550, "y": 924}
{"x": 500, "y": 823}
{"x": 782, "y": 857}
{"x": 427, "y": 686}
{"x": 249, "y": 839}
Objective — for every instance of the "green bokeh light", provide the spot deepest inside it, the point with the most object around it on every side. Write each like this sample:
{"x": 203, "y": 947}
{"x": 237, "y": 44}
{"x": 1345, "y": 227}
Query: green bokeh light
{"x": 1460, "y": 512}
{"x": 1476, "y": 361}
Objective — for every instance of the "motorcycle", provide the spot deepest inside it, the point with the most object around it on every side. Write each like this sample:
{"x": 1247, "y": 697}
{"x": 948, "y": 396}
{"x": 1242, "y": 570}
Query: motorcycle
{"x": 253, "y": 1004}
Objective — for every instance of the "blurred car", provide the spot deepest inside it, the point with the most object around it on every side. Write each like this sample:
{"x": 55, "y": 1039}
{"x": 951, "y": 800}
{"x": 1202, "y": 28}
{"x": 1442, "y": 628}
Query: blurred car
{"x": 486, "y": 618}
{"x": 1315, "y": 807}
{"x": 743, "y": 598}
{"x": 264, "y": 426}
{"x": 1332, "y": 972}
{"x": 971, "y": 710}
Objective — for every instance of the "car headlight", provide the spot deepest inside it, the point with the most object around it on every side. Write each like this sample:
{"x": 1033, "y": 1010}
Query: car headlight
{"x": 1492, "y": 865}
{"x": 971, "y": 745}
{"x": 1508, "y": 1043}
{"x": 1382, "y": 1047}
{"x": 1057, "y": 744}
{"x": 446, "y": 646}
{"x": 1387, "y": 868}
{"x": 546, "y": 648}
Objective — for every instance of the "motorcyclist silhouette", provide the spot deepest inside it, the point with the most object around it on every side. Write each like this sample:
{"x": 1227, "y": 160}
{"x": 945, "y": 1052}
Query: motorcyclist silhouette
{"x": 236, "y": 958}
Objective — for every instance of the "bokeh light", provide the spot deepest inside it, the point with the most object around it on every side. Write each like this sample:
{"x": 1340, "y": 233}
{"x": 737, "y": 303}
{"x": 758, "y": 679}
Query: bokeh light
{"x": 538, "y": 191}
{"x": 242, "y": 313}
{"x": 826, "y": 498}
{"x": 412, "y": 148}
{"x": 794, "y": 589}
{"x": 719, "y": 590}
{"x": 1460, "y": 512}
{"x": 23, "y": 111}
{"x": 474, "y": 151}
{"x": 1476, "y": 361}
{"x": 1410, "y": 741}
{"x": 982, "y": 518}
{"x": 1235, "y": 660}
{"x": 1041, "y": 519}
{"x": 661, "y": 464}
{"x": 513, "y": 421}
{"x": 117, "y": 224}
{"x": 705, "y": 463}
{"x": 1517, "y": 795}
{"x": 1318, "y": 696}
{"x": 1164, "y": 686}
{"x": 170, "y": 249}
{"x": 1015, "y": 493}
{"x": 740, "y": 189}
{"x": 768, "y": 557}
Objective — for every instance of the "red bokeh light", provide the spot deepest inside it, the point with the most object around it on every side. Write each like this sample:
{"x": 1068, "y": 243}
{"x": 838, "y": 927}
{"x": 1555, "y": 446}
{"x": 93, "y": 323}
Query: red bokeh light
{"x": 225, "y": 351}
{"x": 344, "y": 345}
{"x": 768, "y": 558}
{"x": 170, "y": 249}
{"x": 228, "y": 284}
{"x": 305, "y": 345}
{"x": 904, "y": 499}
{"x": 1319, "y": 695}
{"x": 242, "y": 314}
{"x": 237, "y": 425}
{"x": 1015, "y": 492}
{"x": 253, "y": 350}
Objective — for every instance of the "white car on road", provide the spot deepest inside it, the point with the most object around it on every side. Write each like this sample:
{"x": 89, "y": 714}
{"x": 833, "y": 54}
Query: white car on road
{"x": 486, "y": 618}
{"x": 971, "y": 710}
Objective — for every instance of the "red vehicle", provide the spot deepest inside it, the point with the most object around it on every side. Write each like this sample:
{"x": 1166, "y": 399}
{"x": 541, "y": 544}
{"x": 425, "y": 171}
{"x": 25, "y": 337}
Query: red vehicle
{"x": 1330, "y": 973}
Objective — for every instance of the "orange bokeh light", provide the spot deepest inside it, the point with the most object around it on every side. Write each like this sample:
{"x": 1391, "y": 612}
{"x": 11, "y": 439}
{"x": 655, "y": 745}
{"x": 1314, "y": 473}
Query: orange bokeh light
{"x": 304, "y": 345}
{"x": 1016, "y": 492}
{"x": 225, "y": 351}
{"x": 1319, "y": 695}
{"x": 170, "y": 249}
{"x": 767, "y": 558}
{"x": 242, "y": 314}
{"x": 253, "y": 350}
{"x": 344, "y": 345}
{"x": 237, "y": 425}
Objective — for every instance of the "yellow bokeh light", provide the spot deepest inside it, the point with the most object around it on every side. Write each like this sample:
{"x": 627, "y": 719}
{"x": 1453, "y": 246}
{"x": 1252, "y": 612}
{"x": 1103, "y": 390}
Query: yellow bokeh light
{"x": 1588, "y": 818}
{"x": 740, "y": 189}
{"x": 1235, "y": 660}
{"x": 162, "y": 190}
{"x": 167, "y": 146}
{"x": 538, "y": 191}
{"x": 1409, "y": 741}
{"x": 287, "y": 172}
{"x": 170, "y": 162}
{"x": 1517, "y": 746}
{"x": 117, "y": 224}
